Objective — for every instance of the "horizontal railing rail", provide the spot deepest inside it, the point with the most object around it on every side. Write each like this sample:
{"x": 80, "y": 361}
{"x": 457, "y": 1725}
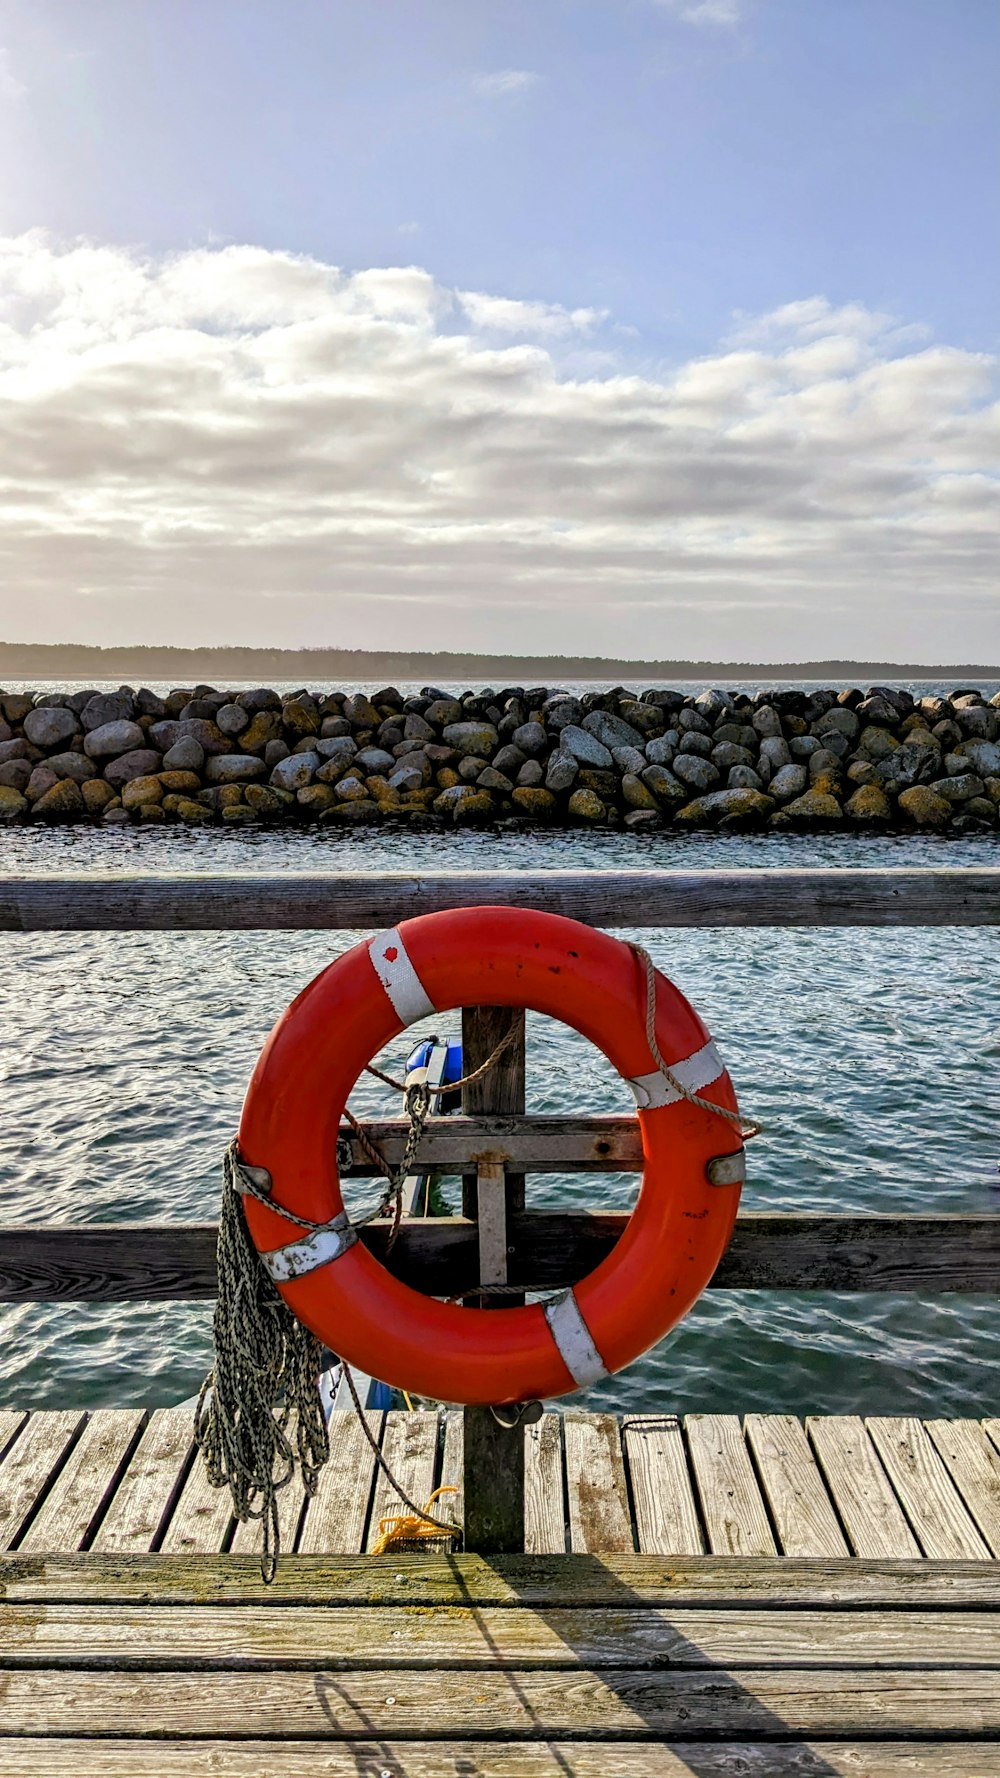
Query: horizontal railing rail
{"x": 819, "y": 896}
{"x": 142, "y": 1262}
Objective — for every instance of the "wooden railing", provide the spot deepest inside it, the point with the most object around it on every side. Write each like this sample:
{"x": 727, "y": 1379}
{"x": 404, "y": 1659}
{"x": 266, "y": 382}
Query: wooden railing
{"x": 782, "y": 1250}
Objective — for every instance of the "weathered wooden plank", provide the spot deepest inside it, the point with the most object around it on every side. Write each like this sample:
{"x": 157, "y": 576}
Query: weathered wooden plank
{"x": 202, "y": 1517}
{"x": 453, "y": 1465}
{"x": 337, "y": 1516}
{"x": 31, "y": 1462}
{"x": 609, "y": 1144}
{"x": 552, "y": 1249}
{"x": 872, "y": 1517}
{"x": 409, "y": 1446}
{"x": 774, "y": 1703}
{"x": 152, "y": 1482}
{"x": 973, "y": 1463}
{"x": 596, "y": 1491}
{"x": 666, "y": 1517}
{"x": 531, "y": 1580}
{"x": 11, "y": 1422}
{"x": 117, "y": 901}
{"x": 499, "y": 1759}
{"x": 803, "y": 1517}
{"x": 93, "y": 1638}
{"x": 248, "y": 1533}
{"x": 732, "y": 1509}
{"x": 544, "y": 1504}
{"x": 940, "y": 1522}
{"x": 86, "y": 1481}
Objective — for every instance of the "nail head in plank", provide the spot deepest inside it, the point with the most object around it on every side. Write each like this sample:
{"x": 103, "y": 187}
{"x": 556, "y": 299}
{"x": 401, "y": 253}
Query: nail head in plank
{"x": 142, "y": 1501}
{"x": 90, "y": 1638}
{"x": 735, "y": 1518}
{"x": 542, "y": 1705}
{"x": 596, "y": 1491}
{"x": 30, "y": 1464}
{"x": 803, "y": 1517}
{"x": 544, "y": 1502}
{"x": 666, "y": 1517}
{"x": 940, "y": 1522}
{"x": 337, "y": 1515}
{"x": 530, "y": 1580}
{"x": 409, "y": 1446}
{"x": 498, "y": 1759}
{"x": 871, "y": 1515}
{"x": 974, "y": 1466}
{"x": 86, "y": 1481}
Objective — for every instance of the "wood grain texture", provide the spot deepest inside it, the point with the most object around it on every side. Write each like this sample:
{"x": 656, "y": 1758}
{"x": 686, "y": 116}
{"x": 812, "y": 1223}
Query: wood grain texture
{"x": 750, "y": 1703}
{"x": 800, "y": 1508}
{"x": 666, "y": 1517}
{"x": 337, "y": 1517}
{"x": 142, "y": 1503}
{"x": 121, "y": 902}
{"x": 91, "y": 1638}
{"x": 30, "y": 1466}
{"x": 119, "y": 1578}
{"x": 596, "y": 1491}
{"x": 869, "y": 1511}
{"x": 367, "y": 1758}
{"x": 973, "y": 1462}
{"x": 86, "y": 1482}
{"x": 409, "y": 1446}
{"x": 544, "y": 1506}
{"x": 732, "y": 1509}
{"x": 145, "y": 1262}
{"x": 202, "y": 1517}
{"x": 940, "y": 1522}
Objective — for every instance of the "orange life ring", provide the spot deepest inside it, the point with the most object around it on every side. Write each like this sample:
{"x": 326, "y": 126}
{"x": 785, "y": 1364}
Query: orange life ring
{"x": 498, "y": 956}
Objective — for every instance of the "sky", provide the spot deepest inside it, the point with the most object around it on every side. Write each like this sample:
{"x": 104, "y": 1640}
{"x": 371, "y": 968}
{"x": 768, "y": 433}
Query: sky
{"x": 661, "y": 328}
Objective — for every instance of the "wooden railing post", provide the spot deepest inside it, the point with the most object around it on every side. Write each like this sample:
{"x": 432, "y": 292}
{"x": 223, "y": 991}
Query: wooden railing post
{"x": 494, "y": 1454}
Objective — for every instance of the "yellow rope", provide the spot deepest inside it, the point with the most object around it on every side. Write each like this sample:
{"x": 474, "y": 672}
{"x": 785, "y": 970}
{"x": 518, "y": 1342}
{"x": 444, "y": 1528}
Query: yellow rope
{"x": 405, "y": 1529}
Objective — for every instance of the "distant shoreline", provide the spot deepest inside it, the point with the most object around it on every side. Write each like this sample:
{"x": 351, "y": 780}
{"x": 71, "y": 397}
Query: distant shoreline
{"x": 56, "y": 661}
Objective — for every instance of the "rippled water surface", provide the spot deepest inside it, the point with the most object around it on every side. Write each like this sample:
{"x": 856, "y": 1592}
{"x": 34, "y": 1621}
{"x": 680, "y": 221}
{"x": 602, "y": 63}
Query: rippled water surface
{"x": 872, "y": 1058}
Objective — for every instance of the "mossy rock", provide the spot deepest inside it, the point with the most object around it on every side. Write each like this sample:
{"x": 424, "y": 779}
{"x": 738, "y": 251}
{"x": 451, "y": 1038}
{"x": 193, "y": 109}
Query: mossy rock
{"x": 531, "y": 799}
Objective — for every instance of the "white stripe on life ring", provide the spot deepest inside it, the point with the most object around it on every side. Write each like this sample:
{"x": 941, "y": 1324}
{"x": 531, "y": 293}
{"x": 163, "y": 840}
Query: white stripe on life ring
{"x": 574, "y": 1340}
{"x": 694, "y": 1072}
{"x": 399, "y": 978}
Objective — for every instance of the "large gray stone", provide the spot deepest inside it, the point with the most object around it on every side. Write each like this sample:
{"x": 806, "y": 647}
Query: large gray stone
{"x": 234, "y": 768}
{"x": 982, "y": 757}
{"x": 712, "y": 704}
{"x": 692, "y": 722}
{"x": 744, "y": 778}
{"x": 746, "y": 807}
{"x": 113, "y": 739}
{"x": 339, "y": 747}
{"x": 207, "y": 734}
{"x": 693, "y": 741}
{"x": 776, "y": 751}
{"x": 186, "y": 755}
{"x": 700, "y": 774}
{"x": 611, "y": 731}
{"x": 105, "y": 707}
{"x": 727, "y": 754}
{"x": 50, "y": 727}
{"x": 165, "y": 734}
{"x": 232, "y": 719}
{"x": 660, "y": 751}
{"x": 585, "y": 748}
{"x": 788, "y": 781}
{"x": 296, "y": 771}
{"x": 141, "y": 763}
{"x": 839, "y": 720}
{"x": 531, "y": 738}
{"x": 72, "y": 765}
{"x": 562, "y": 771}
{"x": 561, "y": 711}
{"x": 767, "y": 722}
{"x": 441, "y": 712}
{"x": 406, "y": 777}
{"x": 959, "y": 790}
{"x": 374, "y": 761}
{"x": 667, "y": 789}
{"x": 978, "y": 721}
{"x": 478, "y": 739}
{"x": 629, "y": 759}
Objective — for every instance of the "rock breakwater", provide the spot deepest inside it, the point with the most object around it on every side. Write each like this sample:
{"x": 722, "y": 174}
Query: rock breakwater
{"x": 783, "y": 760}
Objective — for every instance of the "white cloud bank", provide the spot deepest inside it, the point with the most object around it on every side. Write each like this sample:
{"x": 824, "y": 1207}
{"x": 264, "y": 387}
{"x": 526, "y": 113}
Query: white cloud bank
{"x": 247, "y": 446}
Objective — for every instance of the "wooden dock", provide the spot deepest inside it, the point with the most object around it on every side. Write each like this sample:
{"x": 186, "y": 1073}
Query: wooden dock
{"x": 707, "y": 1597}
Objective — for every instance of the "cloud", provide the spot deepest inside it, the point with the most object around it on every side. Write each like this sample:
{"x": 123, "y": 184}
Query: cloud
{"x": 501, "y": 314}
{"x": 241, "y": 444}
{"x": 724, "y": 13}
{"x": 505, "y": 81}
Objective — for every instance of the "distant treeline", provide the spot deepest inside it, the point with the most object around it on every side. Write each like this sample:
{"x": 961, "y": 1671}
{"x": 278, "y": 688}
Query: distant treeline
{"x": 349, "y": 666}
